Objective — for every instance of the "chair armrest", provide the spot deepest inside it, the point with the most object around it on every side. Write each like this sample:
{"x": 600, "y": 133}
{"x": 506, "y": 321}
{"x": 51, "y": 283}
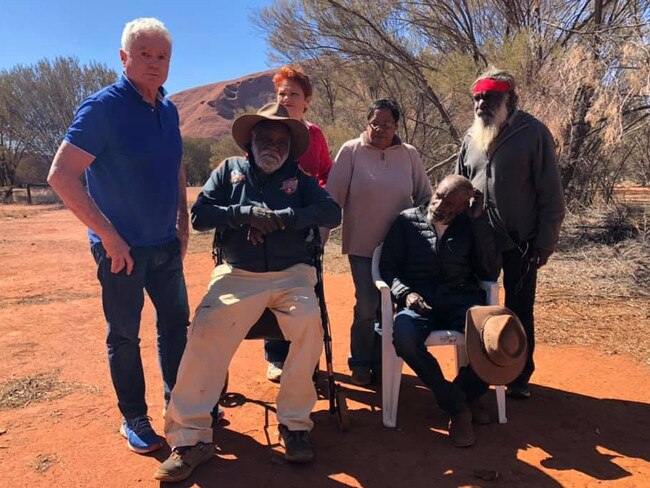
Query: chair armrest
{"x": 379, "y": 283}
{"x": 491, "y": 292}
{"x": 386, "y": 299}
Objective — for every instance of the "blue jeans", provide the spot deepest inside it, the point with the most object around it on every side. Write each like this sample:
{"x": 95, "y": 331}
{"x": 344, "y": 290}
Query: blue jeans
{"x": 365, "y": 343}
{"x": 276, "y": 350}
{"x": 159, "y": 271}
{"x": 410, "y": 331}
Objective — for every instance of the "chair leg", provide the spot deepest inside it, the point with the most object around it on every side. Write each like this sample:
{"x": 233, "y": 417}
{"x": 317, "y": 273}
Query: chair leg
{"x": 501, "y": 403}
{"x": 391, "y": 378}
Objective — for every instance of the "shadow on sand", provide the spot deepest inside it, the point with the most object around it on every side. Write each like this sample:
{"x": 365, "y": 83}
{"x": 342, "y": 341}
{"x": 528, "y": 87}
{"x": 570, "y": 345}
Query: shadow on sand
{"x": 562, "y": 431}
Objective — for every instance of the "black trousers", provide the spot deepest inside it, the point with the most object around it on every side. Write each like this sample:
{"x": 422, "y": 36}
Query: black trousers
{"x": 520, "y": 284}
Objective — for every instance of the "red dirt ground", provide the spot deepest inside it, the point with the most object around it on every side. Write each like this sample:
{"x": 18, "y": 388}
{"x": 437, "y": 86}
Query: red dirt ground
{"x": 588, "y": 423}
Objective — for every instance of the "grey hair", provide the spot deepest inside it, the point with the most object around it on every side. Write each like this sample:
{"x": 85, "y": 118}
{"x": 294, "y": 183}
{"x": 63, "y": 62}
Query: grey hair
{"x": 501, "y": 75}
{"x": 144, "y": 24}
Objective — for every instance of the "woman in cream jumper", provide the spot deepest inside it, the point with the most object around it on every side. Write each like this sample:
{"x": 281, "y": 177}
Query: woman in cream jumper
{"x": 373, "y": 179}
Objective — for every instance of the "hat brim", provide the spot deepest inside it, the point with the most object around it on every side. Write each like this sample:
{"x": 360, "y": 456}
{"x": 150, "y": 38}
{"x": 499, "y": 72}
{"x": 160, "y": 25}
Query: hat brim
{"x": 243, "y": 125}
{"x": 489, "y": 372}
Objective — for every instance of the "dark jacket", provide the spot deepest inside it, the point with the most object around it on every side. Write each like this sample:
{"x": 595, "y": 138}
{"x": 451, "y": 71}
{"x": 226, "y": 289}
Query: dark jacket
{"x": 235, "y": 187}
{"x": 520, "y": 179}
{"x": 444, "y": 271}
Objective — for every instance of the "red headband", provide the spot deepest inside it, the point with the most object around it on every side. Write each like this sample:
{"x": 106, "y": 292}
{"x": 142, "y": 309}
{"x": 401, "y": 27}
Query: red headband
{"x": 490, "y": 84}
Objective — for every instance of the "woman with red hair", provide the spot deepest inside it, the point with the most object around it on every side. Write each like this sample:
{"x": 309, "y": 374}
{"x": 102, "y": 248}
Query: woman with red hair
{"x": 293, "y": 90}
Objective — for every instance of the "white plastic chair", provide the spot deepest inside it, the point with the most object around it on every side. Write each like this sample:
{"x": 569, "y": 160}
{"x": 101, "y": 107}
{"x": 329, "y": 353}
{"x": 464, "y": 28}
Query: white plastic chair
{"x": 392, "y": 363}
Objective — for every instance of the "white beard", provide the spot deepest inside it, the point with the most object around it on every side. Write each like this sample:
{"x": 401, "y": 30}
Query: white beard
{"x": 269, "y": 165}
{"x": 269, "y": 161}
{"x": 484, "y": 133}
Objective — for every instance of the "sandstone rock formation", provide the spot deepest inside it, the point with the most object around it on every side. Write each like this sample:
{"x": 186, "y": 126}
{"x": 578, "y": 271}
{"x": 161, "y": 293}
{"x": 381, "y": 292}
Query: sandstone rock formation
{"x": 208, "y": 111}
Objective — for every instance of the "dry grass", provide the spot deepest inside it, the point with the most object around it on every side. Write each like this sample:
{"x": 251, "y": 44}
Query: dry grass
{"x": 595, "y": 291}
{"x": 43, "y": 462}
{"x": 40, "y": 196}
{"x": 36, "y": 388}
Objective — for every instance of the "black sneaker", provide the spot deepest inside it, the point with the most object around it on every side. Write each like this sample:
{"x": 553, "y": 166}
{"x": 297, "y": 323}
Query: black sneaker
{"x": 297, "y": 448}
{"x": 183, "y": 461}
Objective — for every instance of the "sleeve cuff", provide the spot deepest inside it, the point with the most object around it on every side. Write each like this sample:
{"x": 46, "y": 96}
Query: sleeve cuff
{"x": 242, "y": 214}
{"x": 288, "y": 216}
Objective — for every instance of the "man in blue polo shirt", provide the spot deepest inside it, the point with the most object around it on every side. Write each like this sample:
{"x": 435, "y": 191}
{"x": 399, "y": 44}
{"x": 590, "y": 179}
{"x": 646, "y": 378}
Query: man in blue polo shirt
{"x": 127, "y": 140}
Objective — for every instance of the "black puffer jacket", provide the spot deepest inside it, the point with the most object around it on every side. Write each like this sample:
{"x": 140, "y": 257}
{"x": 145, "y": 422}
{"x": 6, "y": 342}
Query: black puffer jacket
{"x": 446, "y": 271}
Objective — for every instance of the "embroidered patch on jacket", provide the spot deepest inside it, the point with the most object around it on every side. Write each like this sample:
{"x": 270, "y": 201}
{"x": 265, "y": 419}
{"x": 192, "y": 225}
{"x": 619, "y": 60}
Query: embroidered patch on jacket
{"x": 236, "y": 176}
{"x": 289, "y": 186}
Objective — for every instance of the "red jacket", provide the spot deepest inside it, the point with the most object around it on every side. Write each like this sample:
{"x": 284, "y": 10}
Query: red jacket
{"x": 316, "y": 161}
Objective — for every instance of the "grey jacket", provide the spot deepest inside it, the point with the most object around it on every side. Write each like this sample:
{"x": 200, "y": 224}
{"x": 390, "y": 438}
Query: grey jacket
{"x": 520, "y": 179}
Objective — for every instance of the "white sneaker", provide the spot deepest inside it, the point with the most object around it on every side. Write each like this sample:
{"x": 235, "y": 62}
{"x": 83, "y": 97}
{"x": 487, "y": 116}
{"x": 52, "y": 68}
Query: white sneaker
{"x": 274, "y": 372}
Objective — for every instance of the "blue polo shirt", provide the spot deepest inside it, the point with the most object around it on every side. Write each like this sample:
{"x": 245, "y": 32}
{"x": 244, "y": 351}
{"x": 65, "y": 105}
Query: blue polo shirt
{"x": 137, "y": 149}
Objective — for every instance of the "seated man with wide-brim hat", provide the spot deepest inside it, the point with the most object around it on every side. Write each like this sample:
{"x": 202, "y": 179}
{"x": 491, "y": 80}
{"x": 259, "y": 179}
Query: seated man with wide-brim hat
{"x": 262, "y": 205}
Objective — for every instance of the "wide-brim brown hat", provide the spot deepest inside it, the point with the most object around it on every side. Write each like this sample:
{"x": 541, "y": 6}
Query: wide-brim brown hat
{"x": 242, "y": 128}
{"x": 496, "y": 344}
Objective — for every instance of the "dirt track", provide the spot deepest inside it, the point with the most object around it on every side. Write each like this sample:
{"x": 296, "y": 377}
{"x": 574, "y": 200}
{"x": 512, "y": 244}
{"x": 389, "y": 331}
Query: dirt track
{"x": 587, "y": 425}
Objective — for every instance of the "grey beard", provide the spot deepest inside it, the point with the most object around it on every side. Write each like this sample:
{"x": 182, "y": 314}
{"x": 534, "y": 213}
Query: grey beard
{"x": 270, "y": 166}
{"x": 484, "y": 134}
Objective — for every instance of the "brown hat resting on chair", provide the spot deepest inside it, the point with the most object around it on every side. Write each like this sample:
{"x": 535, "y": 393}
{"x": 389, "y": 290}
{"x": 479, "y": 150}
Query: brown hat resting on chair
{"x": 496, "y": 344}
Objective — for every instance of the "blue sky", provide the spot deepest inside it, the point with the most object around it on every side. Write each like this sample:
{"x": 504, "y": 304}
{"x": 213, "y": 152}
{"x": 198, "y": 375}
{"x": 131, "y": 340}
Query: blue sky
{"x": 213, "y": 40}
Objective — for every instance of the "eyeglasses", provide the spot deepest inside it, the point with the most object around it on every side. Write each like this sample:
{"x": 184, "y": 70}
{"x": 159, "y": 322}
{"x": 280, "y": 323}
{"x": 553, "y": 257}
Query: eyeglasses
{"x": 384, "y": 126}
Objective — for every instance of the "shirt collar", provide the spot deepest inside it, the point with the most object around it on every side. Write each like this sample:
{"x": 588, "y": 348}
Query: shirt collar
{"x": 126, "y": 83}
{"x": 365, "y": 139}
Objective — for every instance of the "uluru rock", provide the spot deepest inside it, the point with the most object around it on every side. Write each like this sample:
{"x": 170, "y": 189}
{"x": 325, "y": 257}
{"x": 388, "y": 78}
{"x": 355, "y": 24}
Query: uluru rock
{"x": 208, "y": 111}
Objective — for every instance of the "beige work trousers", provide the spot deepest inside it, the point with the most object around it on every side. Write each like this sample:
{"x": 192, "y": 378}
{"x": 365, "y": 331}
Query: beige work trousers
{"x": 233, "y": 303}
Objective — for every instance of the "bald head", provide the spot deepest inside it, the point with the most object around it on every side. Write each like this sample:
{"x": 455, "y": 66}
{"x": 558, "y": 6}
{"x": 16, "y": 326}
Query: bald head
{"x": 451, "y": 198}
{"x": 454, "y": 183}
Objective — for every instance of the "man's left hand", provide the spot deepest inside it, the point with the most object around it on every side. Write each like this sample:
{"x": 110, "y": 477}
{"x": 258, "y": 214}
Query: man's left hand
{"x": 539, "y": 257}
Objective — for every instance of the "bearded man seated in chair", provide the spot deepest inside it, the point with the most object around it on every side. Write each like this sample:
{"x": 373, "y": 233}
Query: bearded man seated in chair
{"x": 263, "y": 206}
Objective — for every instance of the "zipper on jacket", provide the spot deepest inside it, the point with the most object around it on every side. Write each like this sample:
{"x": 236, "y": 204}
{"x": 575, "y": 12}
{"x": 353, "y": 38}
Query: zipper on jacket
{"x": 266, "y": 251}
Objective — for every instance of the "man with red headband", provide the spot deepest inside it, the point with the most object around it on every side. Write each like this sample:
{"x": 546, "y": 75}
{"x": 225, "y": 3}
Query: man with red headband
{"x": 510, "y": 156}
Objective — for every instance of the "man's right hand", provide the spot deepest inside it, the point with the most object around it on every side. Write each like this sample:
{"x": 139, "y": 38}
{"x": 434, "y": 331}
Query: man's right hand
{"x": 118, "y": 251}
{"x": 416, "y": 303}
{"x": 476, "y": 204}
{"x": 265, "y": 220}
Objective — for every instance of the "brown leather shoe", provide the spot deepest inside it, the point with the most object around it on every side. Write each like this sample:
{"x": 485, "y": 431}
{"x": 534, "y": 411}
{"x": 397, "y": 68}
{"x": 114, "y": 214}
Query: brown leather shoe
{"x": 297, "y": 448}
{"x": 480, "y": 414}
{"x": 183, "y": 461}
{"x": 461, "y": 431}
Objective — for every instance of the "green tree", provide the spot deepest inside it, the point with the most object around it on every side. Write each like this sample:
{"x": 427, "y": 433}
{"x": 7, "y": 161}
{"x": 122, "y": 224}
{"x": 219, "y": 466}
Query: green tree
{"x": 196, "y": 158}
{"x": 582, "y": 67}
{"x": 37, "y": 104}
